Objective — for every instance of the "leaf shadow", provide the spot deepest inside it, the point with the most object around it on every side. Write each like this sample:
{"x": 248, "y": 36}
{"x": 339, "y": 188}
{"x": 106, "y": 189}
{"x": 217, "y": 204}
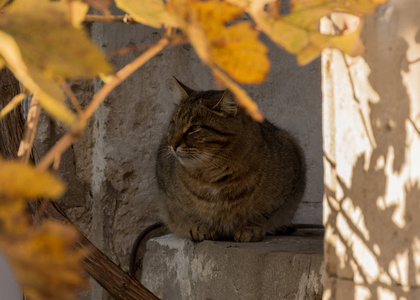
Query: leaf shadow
{"x": 389, "y": 225}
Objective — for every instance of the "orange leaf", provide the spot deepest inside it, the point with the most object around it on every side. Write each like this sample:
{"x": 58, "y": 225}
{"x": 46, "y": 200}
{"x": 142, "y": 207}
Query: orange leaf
{"x": 235, "y": 48}
{"x": 241, "y": 96}
{"x": 101, "y": 5}
{"x": 46, "y": 261}
{"x": 298, "y": 32}
{"x": 22, "y": 180}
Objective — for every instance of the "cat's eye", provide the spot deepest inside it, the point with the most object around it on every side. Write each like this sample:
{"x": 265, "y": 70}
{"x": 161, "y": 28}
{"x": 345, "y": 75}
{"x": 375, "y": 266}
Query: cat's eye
{"x": 193, "y": 129}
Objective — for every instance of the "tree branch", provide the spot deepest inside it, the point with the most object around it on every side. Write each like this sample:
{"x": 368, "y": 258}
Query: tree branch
{"x": 74, "y": 134}
{"x": 71, "y": 96}
{"x": 12, "y": 126}
{"x": 31, "y": 126}
{"x": 118, "y": 283}
{"x": 126, "y": 19}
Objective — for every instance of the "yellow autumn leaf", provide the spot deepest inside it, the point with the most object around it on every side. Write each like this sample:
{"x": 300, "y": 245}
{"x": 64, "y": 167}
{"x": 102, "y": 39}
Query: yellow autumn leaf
{"x": 51, "y": 96}
{"x": 46, "y": 261}
{"x": 148, "y": 12}
{"x": 356, "y": 7}
{"x": 48, "y": 40}
{"x": 12, "y": 217}
{"x": 78, "y": 11}
{"x": 348, "y": 43}
{"x": 101, "y": 5}
{"x": 234, "y": 48}
{"x": 48, "y": 91}
{"x": 298, "y": 31}
{"x": 2, "y": 3}
{"x": 241, "y": 54}
{"x": 241, "y": 97}
{"x": 241, "y": 3}
{"x": 21, "y": 180}
{"x": 299, "y": 34}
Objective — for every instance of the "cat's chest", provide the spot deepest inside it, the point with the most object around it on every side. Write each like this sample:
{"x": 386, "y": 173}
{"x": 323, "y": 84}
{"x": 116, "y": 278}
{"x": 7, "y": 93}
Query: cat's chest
{"x": 210, "y": 198}
{"x": 211, "y": 191}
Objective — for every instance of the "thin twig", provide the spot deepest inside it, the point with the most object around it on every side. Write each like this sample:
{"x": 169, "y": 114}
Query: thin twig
{"x": 119, "y": 284}
{"x": 123, "y": 51}
{"x": 120, "y": 76}
{"x": 242, "y": 97}
{"x": 12, "y": 104}
{"x": 99, "y": 97}
{"x": 25, "y": 147}
{"x": 126, "y": 19}
{"x": 57, "y": 149}
{"x": 71, "y": 96}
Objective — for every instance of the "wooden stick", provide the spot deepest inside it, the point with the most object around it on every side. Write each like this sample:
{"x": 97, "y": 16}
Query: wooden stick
{"x": 118, "y": 283}
{"x": 13, "y": 124}
{"x": 70, "y": 137}
{"x": 71, "y": 96}
{"x": 126, "y": 19}
{"x": 31, "y": 126}
{"x": 12, "y": 105}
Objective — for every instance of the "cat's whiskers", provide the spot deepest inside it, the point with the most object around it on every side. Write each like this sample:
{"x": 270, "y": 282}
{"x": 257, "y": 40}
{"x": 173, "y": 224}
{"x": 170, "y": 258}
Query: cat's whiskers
{"x": 217, "y": 160}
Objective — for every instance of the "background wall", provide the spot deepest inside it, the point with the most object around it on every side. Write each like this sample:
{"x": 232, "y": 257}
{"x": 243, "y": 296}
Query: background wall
{"x": 371, "y": 112}
{"x": 111, "y": 172}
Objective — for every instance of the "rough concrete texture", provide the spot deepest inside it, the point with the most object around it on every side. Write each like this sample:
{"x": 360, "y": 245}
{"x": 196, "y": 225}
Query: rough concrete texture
{"x": 111, "y": 171}
{"x": 287, "y": 267}
{"x": 371, "y": 121}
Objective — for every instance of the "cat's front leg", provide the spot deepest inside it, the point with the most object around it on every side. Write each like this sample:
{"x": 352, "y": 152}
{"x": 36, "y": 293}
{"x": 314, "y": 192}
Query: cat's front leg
{"x": 201, "y": 232}
{"x": 247, "y": 234}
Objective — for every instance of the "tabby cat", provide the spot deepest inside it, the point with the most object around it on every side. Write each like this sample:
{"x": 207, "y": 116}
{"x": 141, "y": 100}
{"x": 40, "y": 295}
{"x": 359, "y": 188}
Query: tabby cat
{"x": 223, "y": 175}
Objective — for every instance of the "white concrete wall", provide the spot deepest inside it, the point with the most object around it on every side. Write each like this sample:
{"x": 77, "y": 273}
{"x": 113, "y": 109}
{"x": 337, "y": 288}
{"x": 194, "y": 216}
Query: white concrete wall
{"x": 371, "y": 120}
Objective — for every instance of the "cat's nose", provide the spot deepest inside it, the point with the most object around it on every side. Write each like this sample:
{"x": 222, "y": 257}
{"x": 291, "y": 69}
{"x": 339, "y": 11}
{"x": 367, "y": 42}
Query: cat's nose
{"x": 174, "y": 146}
{"x": 175, "y": 142}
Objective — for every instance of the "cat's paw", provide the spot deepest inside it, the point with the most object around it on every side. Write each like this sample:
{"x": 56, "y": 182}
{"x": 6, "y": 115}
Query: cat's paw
{"x": 249, "y": 234}
{"x": 201, "y": 232}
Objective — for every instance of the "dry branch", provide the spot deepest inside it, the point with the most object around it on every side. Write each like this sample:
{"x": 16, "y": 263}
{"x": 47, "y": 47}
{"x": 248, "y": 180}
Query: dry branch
{"x": 126, "y": 19}
{"x": 118, "y": 283}
{"x": 11, "y": 126}
{"x": 70, "y": 137}
{"x": 25, "y": 148}
{"x": 72, "y": 97}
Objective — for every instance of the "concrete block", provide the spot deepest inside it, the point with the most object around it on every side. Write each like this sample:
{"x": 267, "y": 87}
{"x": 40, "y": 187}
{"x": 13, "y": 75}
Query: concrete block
{"x": 281, "y": 267}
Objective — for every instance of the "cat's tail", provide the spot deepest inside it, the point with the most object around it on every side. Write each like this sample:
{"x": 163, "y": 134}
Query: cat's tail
{"x": 289, "y": 229}
{"x": 133, "y": 255}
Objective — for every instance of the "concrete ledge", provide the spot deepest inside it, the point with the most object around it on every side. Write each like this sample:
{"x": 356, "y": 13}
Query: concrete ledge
{"x": 284, "y": 267}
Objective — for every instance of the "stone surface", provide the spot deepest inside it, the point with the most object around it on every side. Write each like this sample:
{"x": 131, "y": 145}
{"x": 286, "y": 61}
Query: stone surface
{"x": 371, "y": 121}
{"x": 286, "y": 267}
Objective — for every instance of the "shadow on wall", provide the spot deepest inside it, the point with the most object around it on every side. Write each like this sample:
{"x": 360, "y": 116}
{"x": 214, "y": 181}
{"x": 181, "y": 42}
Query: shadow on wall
{"x": 375, "y": 215}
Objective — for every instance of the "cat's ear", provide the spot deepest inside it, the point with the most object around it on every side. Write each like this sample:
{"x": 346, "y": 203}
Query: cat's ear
{"x": 182, "y": 89}
{"x": 227, "y": 104}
